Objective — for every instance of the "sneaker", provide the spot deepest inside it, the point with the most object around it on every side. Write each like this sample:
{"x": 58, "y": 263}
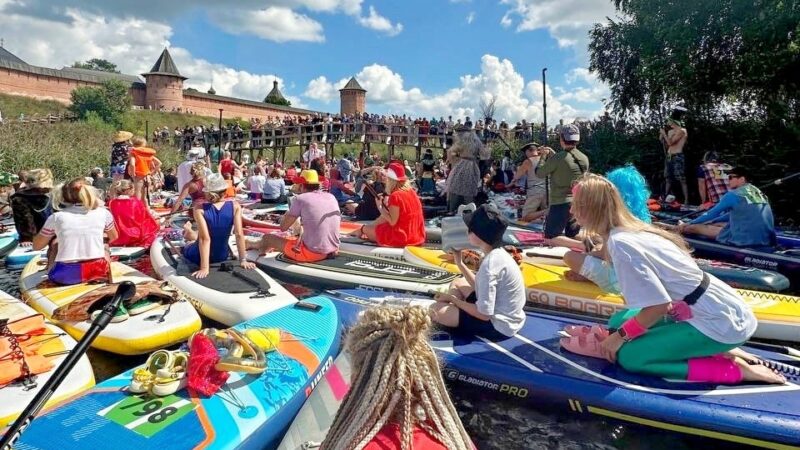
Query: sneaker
{"x": 142, "y": 305}
{"x": 120, "y": 316}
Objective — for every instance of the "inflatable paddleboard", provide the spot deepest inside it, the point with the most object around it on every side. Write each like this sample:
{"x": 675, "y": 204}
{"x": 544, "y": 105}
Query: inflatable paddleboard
{"x": 778, "y": 315}
{"x": 349, "y": 270}
{"x": 8, "y": 242}
{"x": 229, "y": 294}
{"x": 315, "y": 418}
{"x": 15, "y": 397}
{"x": 248, "y": 412}
{"x": 532, "y": 368}
{"x": 21, "y": 255}
{"x": 142, "y": 333}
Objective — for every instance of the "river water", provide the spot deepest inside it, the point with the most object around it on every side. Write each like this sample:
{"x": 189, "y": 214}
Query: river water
{"x": 493, "y": 424}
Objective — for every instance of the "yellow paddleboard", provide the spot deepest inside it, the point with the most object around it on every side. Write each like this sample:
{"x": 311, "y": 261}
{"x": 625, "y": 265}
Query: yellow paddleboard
{"x": 778, "y": 315}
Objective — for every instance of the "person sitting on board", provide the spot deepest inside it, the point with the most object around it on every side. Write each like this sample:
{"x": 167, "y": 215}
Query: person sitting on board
{"x": 274, "y": 191}
{"x": 135, "y": 225}
{"x": 31, "y": 205}
{"x": 256, "y": 183}
{"x": 320, "y": 217}
{"x": 743, "y": 216}
{"x": 367, "y": 208}
{"x": 401, "y": 222}
{"x": 712, "y": 179}
{"x": 75, "y": 235}
{"x": 535, "y": 187}
{"x": 491, "y": 303}
{"x": 683, "y": 324}
{"x": 397, "y": 394}
{"x": 194, "y": 188}
{"x": 215, "y": 219}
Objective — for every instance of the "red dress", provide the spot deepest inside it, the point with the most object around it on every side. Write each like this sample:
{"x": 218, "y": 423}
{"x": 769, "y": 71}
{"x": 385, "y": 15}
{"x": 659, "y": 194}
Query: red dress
{"x": 135, "y": 225}
{"x": 410, "y": 227}
{"x": 226, "y": 166}
{"x": 389, "y": 439}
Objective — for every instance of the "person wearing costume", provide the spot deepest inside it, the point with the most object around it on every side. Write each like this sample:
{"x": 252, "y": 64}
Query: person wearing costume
{"x": 682, "y": 323}
{"x": 135, "y": 225}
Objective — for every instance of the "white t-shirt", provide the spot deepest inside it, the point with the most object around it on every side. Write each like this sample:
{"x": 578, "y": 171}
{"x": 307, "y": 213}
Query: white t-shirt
{"x": 312, "y": 154}
{"x": 652, "y": 271}
{"x": 79, "y": 232}
{"x": 256, "y": 183}
{"x": 500, "y": 290}
{"x": 184, "y": 173}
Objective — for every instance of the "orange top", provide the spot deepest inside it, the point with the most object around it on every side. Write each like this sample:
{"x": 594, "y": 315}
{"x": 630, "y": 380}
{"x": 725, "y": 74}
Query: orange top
{"x": 231, "y": 191}
{"x": 143, "y": 161}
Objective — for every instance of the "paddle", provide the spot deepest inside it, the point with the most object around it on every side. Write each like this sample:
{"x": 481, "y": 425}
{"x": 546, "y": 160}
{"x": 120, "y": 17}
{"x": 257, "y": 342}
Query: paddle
{"x": 164, "y": 216}
{"x": 125, "y": 291}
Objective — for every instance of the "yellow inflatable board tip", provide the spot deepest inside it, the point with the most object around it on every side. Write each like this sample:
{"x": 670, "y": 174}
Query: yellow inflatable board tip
{"x": 267, "y": 339}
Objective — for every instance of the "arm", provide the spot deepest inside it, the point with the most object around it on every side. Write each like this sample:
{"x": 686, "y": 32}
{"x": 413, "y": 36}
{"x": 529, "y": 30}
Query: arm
{"x": 241, "y": 246}
{"x": 131, "y": 166}
{"x": 287, "y": 221}
{"x": 203, "y": 242}
{"x": 548, "y": 167}
{"x": 41, "y": 241}
{"x": 726, "y": 203}
{"x": 676, "y": 137}
{"x": 647, "y": 317}
{"x": 181, "y": 197}
{"x": 391, "y": 216}
{"x": 469, "y": 275}
{"x": 522, "y": 170}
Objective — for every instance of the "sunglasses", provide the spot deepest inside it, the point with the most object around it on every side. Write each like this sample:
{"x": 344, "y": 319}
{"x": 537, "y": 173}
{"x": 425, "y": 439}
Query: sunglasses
{"x": 731, "y": 176}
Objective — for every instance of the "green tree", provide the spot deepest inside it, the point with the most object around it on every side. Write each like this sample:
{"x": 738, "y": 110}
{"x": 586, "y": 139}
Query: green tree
{"x": 97, "y": 64}
{"x": 109, "y": 101}
{"x": 278, "y": 101}
{"x": 717, "y": 56}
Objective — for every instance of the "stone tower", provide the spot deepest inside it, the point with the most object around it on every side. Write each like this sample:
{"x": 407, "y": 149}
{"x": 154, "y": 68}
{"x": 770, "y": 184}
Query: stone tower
{"x": 275, "y": 96}
{"x": 353, "y": 98}
{"x": 164, "y": 84}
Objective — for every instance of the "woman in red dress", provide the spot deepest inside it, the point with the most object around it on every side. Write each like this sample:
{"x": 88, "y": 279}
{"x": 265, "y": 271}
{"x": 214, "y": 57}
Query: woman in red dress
{"x": 402, "y": 222}
{"x": 136, "y": 227}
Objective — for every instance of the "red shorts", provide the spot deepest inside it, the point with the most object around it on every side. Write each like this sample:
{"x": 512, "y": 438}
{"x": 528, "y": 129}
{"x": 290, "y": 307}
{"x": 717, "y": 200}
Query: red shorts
{"x": 296, "y": 250}
{"x": 79, "y": 272}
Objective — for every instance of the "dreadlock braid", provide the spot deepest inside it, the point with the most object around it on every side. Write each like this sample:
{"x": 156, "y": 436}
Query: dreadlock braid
{"x": 396, "y": 379}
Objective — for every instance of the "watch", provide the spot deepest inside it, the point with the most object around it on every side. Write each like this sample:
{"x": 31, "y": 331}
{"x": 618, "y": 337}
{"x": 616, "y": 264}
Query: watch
{"x": 623, "y": 334}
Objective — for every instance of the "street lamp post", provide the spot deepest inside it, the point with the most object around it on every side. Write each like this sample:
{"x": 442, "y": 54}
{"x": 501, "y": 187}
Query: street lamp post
{"x": 544, "y": 102}
{"x": 220, "y": 128}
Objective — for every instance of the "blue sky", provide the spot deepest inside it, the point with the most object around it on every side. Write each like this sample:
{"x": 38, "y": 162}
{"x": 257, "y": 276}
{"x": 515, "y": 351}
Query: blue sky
{"x": 434, "y": 57}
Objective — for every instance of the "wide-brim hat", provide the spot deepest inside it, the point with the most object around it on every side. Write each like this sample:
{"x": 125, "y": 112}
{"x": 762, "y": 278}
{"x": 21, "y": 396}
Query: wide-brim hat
{"x": 307, "y": 177}
{"x": 487, "y": 223}
{"x": 215, "y": 183}
{"x": 40, "y": 179}
{"x": 192, "y": 154}
{"x": 122, "y": 136}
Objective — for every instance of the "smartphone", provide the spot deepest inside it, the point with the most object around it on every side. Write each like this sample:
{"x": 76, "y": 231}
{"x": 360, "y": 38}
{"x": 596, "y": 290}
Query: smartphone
{"x": 307, "y": 306}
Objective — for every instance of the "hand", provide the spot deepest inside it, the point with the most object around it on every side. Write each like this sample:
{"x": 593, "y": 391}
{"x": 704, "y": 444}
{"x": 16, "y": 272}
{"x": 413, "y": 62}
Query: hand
{"x": 457, "y": 258}
{"x": 662, "y": 133}
{"x": 547, "y": 151}
{"x": 610, "y": 346}
{"x": 202, "y": 273}
{"x": 247, "y": 265}
{"x": 681, "y": 227}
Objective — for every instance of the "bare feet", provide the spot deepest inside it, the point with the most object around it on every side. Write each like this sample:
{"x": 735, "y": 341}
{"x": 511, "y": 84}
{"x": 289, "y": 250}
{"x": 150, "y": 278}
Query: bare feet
{"x": 757, "y": 372}
{"x": 571, "y": 275}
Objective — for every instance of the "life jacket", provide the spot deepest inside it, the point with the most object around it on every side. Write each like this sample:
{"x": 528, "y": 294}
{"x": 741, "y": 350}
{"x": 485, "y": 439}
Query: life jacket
{"x": 143, "y": 158}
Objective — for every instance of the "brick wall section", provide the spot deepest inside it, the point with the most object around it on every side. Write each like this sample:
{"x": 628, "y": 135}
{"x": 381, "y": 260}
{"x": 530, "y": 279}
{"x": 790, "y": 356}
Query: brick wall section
{"x": 164, "y": 91}
{"x": 37, "y": 86}
{"x": 209, "y": 107}
{"x": 353, "y": 102}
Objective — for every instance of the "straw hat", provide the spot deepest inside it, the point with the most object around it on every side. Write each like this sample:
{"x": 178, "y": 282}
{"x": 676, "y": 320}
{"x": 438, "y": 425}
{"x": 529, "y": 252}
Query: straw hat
{"x": 215, "y": 183}
{"x": 40, "y": 178}
{"x": 122, "y": 136}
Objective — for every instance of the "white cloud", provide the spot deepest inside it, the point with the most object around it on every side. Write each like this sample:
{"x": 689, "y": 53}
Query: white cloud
{"x": 274, "y": 23}
{"x": 377, "y": 22}
{"x": 567, "y": 21}
{"x": 470, "y": 17}
{"x": 514, "y": 99}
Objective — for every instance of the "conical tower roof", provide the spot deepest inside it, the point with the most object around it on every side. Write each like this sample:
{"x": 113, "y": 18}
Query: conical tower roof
{"x": 274, "y": 94}
{"x": 352, "y": 85}
{"x": 212, "y": 91}
{"x": 165, "y": 66}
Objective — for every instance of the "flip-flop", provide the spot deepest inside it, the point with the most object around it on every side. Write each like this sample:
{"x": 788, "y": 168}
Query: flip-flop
{"x": 577, "y": 330}
{"x": 588, "y": 345}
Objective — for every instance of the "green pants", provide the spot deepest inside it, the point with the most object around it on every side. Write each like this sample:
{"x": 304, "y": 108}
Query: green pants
{"x": 666, "y": 348}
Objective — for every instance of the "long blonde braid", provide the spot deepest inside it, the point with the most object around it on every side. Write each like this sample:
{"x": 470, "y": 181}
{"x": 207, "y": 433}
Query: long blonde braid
{"x": 396, "y": 379}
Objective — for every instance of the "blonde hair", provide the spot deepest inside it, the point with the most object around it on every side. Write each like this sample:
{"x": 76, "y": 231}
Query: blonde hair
{"x": 394, "y": 185}
{"x": 198, "y": 169}
{"x": 396, "y": 378}
{"x": 120, "y": 187}
{"x": 139, "y": 141}
{"x": 600, "y": 207}
{"x": 75, "y": 192}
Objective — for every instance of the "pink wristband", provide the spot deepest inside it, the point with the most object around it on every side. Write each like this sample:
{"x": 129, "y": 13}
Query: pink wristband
{"x": 633, "y": 329}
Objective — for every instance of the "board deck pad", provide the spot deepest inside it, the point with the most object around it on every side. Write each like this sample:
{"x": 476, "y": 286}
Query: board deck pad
{"x": 226, "y": 277}
{"x": 250, "y": 411}
{"x": 378, "y": 267}
{"x": 532, "y": 367}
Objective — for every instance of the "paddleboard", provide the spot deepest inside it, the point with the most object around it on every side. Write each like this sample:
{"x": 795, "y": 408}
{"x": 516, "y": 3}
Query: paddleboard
{"x": 778, "y": 315}
{"x": 249, "y": 411}
{"x": 21, "y": 255}
{"x": 15, "y": 397}
{"x": 229, "y": 294}
{"x": 8, "y": 242}
{"x": 532, "y": 368}
{"x": 142, "y": 333}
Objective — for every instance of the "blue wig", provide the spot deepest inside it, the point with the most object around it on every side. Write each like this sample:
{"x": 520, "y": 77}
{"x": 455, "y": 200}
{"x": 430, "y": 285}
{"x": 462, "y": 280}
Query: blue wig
{"x": 634, "y": 190}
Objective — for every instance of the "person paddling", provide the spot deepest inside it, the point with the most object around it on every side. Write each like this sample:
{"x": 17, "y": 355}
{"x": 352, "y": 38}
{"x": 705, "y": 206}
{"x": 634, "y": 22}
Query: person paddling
{"x": 683, "y": 323}
{"x": 743, "y": 216}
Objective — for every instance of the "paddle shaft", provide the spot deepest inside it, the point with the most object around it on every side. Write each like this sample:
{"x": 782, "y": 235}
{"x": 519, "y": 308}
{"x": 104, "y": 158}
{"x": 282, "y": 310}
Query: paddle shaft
{"x": 125, "y": 291}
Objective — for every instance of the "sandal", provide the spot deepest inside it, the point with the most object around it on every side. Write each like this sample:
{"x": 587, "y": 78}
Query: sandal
{"x": 142, "y": 305}
{"x": 121, "y": 315}
{"x": 169, "y": 380}
{"x": 143, "y": 377}
{"x": 588, "y": 344}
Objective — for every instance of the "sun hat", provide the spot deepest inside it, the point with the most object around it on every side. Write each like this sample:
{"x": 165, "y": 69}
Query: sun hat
{"x": 487, "y": 223}
{"x": 215, "y": 183}
{"x": 570, "y": 132}
{"x": 122, "y": 136}
{"x": 396, "y": 171}
{"x": 307, "y": 177}
{"x": 7, "y": 179}
{"x": 40, "y": 179}
{"x": 192, "y": 154}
